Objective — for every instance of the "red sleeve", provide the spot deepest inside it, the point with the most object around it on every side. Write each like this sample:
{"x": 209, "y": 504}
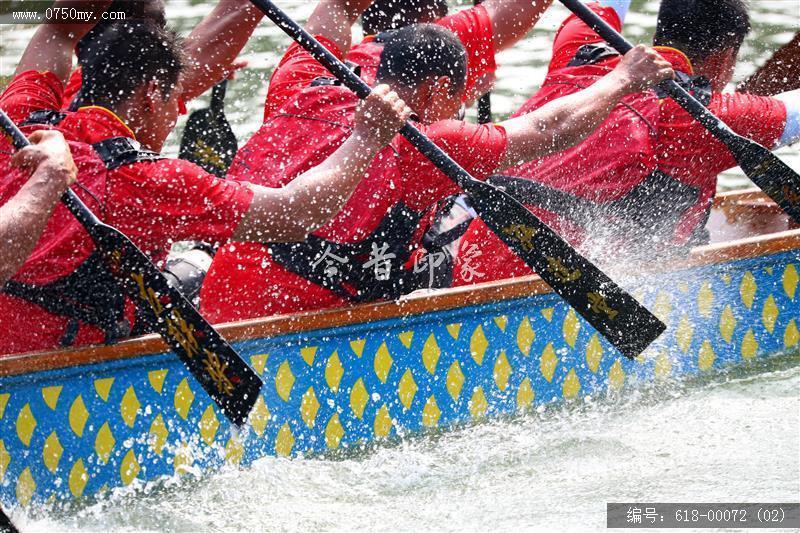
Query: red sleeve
{"x": 573, "y": 34}
{"x": 694, "y": 153}
{"x": 73, "y": 86}
{"x": 474, "y": 29}
{"x": 31, "y": 91}
{"x": 478, "y": 148}
{"x": 173, "y": 200}
{"x": 294, "y": 72}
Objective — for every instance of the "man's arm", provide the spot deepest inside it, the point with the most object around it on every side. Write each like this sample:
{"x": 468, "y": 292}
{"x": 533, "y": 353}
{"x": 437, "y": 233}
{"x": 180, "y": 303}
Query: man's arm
{"x": 334, "y": 19}
{"x": 513, "y": 19}
{"x": 24, "y": 217}
{"x": 290, "y": 213}
{"x": 51, "y": 48}
{"x": 213, "y": 45}
{"x": 791, "y": 130}
{"x": 565, "y": 122}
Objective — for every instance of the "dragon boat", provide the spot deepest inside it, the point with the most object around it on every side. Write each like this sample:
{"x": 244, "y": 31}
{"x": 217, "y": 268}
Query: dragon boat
{"x": 75, "y": 423}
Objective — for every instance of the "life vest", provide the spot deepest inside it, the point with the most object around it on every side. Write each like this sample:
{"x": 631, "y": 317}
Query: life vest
{"x": 339, "y": 257}
{"x": 613, "y": 176}
{"x": 89, "y": 294}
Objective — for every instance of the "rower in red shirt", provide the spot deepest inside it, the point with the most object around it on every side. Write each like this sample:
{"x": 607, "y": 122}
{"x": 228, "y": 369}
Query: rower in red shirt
{"x": 644, "y": 182}
{"x": 367, "y": 252}
{"x": 62, "y": 295}
{"x": 483, "y": 30}
{"x": 210, "y": 50}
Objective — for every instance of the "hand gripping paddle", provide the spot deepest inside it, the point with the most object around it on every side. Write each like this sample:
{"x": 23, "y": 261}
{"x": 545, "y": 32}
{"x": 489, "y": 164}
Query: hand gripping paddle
{"x": 222, "y": 372}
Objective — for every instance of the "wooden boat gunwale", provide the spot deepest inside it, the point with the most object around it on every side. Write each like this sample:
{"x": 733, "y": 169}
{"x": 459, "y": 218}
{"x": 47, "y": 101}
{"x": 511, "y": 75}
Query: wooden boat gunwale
{"x": 491, "y": 292}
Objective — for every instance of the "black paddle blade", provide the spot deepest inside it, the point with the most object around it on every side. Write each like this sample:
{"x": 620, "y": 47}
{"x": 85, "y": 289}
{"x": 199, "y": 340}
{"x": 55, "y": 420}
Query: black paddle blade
{"x": 6, "y": 526}
{"x": 615, "y": 314}
{"x": 208, "y": 140}
{"x": 224, "y": 375}
{"x": 772, "y": 175}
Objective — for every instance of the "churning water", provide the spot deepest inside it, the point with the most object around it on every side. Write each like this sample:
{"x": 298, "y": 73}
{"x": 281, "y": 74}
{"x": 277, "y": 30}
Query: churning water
{"x": 728, "y": 437}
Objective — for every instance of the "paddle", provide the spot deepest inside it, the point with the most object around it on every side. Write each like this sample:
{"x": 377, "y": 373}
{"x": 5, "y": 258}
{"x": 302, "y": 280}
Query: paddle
{"x": 766, "y": 170}
{"x": 780, "y": 72}
{"x": 628, "y": 325}
{"x": 485, "y": 101}
{"x": 6, "y": 525}
{"x": 230, "y": 382}
{"x": 208, "y": 140}
{"x": 485, "y": 109}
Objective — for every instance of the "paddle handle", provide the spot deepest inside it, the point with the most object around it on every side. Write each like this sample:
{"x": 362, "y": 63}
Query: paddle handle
{"x": 350, "y": 80}
{"x": 218, "y": 96}
{"x": 688, "y": 102}
{"x": 485, "y": 101}
{"x": 70, "y": 199}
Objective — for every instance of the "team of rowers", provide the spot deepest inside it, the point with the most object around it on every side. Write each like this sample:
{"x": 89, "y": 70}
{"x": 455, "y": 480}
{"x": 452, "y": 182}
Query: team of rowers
{"x": 325, "y": 205}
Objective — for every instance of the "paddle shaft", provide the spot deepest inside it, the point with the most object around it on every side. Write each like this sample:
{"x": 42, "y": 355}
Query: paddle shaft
{"x": 224, "y": 375}
{"x": 614, "y": 313}
{"x": 485, "y": 101}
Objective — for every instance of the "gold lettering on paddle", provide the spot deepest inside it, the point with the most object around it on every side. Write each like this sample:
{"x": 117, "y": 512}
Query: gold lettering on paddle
{"x": 116, "y": 260}
{"x": 523, "y": 234}
{"x": 207, "y": 154}
{"x": 182, "y": 333}
{"x": 216, "y": 371}
{"x": 148, "y": 295}
{"x": 556, "y": 267}
{"x": 598, "y": 304}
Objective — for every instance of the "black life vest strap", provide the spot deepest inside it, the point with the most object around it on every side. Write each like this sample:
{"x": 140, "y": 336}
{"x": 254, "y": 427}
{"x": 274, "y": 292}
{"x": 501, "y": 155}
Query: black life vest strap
{"x": 697, "y": 86}
{"x": 114, "y": 151}
{"x": 347, "y": 276}
{"x": 326, "y": 81}
{"x": 44, "y": 116}
{"x": 90, "y": 294}
{"x": 120, "y": 151}
{"x": 591, "y": 54}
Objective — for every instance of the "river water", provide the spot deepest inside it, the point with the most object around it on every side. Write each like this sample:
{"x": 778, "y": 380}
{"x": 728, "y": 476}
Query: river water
{"x": 729, "y": 437}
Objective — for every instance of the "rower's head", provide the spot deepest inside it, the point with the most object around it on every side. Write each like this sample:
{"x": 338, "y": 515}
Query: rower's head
{"x": 385, "y": 15}
{"x": 709, "y": 32}
{"x": 133, "y": 69}
{"x": 124, "y": 10}
{"x": 427, "y": 66}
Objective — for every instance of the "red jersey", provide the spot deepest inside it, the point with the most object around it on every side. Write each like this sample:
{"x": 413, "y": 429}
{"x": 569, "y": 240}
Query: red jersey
{"x": 73, "y": 86}
{"x": 643, "y": 134}
{"x": 312, "y": 123}
{"x": 472, "y": 26}
{"x": 154, "y": 203}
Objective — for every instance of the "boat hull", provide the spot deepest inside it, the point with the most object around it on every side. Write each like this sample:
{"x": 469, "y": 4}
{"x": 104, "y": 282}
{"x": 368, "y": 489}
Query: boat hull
{"x": 81, "y": 429}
